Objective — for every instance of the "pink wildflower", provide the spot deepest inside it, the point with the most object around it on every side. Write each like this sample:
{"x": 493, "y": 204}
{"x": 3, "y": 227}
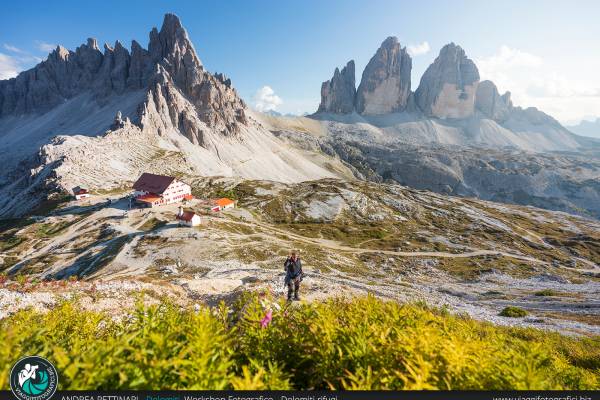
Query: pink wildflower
{"x": 267, "y": 319}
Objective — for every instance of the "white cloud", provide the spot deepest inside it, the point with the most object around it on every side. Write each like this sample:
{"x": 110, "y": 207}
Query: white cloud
{"x": 418, "y": 49}
{"x": 12, "y": 48}
{"x": 555, "y": 85}
{"x": 43, "y": 46}
{"x": 536, "y": 82}
{"x": 508, "y": 57}
{"x": 265, "y": 99}
{"x": 9, "y": 67}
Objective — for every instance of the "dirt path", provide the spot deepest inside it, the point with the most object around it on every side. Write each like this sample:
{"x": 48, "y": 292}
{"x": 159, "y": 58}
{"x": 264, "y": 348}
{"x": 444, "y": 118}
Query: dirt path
{"x": 333, "y": 245}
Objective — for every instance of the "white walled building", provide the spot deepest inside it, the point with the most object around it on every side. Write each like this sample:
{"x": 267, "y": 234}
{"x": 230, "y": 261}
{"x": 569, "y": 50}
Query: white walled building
{"x": 156, "y": 190}
{"x": 81, "y": 193}
{"x": 188, "y": 218}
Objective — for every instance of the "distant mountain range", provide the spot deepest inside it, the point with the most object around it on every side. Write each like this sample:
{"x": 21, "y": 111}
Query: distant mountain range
{"x": 274, "y": 113}
{"x": 450, "y": 106}
{"x": 587, "y": 128}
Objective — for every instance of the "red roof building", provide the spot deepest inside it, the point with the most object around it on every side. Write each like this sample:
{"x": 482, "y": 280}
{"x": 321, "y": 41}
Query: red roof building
{"x": 152, "y": 190}
{"x": 152, "y": 183}
{"x": 81, "y": 193}
{"x": 188, "y": 218}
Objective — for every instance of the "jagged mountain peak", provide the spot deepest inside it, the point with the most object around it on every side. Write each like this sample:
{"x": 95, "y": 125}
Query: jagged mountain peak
{"x": 171, "y": 22}
{"x": 119, "y": 46}
{"x": 116, "y": 70}
{"x": 172, "y": 41}
{"x": 493, "y": 105}
{"x": 451, "y": 47}
{"x": 447, "y": 88}
{"x": 92, "y": 43}
{"x": 59, "y": 53}
{"x": 385, "y": 84}
{"x": 338, "y": 93}
{"x": 390, "y": 41}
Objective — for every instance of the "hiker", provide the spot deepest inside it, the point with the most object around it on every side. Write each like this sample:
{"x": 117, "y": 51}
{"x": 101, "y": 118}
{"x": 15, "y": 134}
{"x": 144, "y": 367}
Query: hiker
{"x": 293, "y": 275}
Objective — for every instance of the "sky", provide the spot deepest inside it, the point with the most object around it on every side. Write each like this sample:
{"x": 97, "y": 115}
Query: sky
{"x": 277, "y": 53}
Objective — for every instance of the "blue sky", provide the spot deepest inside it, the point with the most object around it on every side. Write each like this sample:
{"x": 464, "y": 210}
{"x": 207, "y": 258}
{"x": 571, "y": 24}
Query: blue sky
{"x": 546, "y": 52}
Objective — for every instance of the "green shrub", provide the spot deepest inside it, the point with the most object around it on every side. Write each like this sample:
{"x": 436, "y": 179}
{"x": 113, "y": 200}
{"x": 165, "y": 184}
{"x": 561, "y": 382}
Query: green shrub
{"x": 546, "y": 292}
{"x": 152, "y": 224}
{"x": 513, "y": 312}
{"x": 363, "y": 343}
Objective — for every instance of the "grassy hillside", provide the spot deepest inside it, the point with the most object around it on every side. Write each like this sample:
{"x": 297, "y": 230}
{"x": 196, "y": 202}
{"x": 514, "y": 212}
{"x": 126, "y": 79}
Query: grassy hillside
{"x": 363, "y": 343}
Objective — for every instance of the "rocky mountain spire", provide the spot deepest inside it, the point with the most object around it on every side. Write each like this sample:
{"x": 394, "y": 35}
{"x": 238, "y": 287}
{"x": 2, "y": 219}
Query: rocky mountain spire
{"x": 385, "y": 84}
{"x": 448, "y": 86}
{"x": 489, "y": 102}
{"x": 338, "y": 93}
{"x": 172, "y": 48}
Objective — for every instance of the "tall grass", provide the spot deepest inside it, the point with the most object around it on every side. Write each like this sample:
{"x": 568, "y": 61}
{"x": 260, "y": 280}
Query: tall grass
{"x": 363, "y": 343}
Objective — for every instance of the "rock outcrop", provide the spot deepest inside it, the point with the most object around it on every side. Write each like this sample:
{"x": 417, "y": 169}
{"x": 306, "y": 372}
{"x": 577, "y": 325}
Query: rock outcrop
{"x": 385, "y": 84}
{"x": 338, "y": 93}
{"x": 448, "y": 87}
{"x": 498, "y": 107}
{"x": 491, "y": 103}
{"x": 66, "y": 74}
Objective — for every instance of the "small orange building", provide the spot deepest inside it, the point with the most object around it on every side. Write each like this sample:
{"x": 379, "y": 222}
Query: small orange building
{"x": 223, "y": 204}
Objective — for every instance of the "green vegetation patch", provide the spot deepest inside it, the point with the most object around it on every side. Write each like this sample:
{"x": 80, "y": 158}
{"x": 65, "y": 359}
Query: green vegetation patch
{"x": 547, "y": 292}
{"x": 152, "y": 224}
{"x": 113, "y": 190}
{"x": 51, "y": 203}
{"x": 9, "y": 241}
{"x": 513, "y": 312}
{"x": 363, "y": 343}
{"x": 8, "y": 262}
{"x": 46, "y": 230}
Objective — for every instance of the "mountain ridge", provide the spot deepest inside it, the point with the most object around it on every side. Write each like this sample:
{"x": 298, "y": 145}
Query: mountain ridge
{"x": 98, "y": 119}
{"x": 449, "y": 90}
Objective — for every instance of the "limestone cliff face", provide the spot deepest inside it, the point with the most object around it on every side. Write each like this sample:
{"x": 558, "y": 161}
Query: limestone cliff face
{"x": 491, "y": 103}
{"x": 66, "y": 74}
{"x": 338, "y": 93}
{"x": 385, "y": 84}
{"x": 448, "y": 87}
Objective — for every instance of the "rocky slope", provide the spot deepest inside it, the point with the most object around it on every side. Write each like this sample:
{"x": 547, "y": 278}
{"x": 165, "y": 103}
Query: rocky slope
{"x": 129, "y": 109}
{"x": 394, "y": 242}
{"x": 557, "y": 181}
